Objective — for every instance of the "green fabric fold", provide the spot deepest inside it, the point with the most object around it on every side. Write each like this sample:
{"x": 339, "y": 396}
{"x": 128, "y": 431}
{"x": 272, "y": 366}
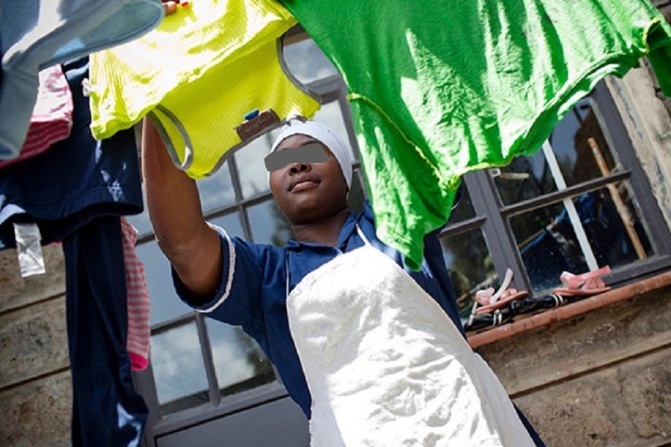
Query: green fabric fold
{"x": 439, "y": 88}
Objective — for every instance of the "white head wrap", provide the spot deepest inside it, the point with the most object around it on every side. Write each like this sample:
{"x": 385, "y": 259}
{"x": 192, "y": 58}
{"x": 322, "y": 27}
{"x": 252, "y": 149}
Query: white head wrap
{"x": 324, "y": 135}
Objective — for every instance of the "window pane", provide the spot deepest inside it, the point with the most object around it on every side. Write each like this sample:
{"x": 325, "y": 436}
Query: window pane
{"x": 548, "y": 245}
{"x": 576, "y": 156}
{"x": 252, "y": 167}
{"x": 331, "y": 115}
{"x": 141, "y": 222}
{"x": 179, "y": 370}
{"x": 165, "y": 304}
{"x": 217, "y": 189}
{"x": 231, "y": 223}
{"x": 470, "y": 266}
{"x": 613, "y": 227}
{"x": 239, "y": 362}
{"x": 306, "y": 62}
{"x": 463, "y": 209}
{"x": 268, "y": 224}
{"x": 356, "y": 196}
{"x": 524, "y": 178}
{"x": 580, "y": 149}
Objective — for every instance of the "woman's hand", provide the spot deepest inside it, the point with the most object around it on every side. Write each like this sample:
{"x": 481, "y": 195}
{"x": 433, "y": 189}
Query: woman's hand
{"x": 170, "y": 6}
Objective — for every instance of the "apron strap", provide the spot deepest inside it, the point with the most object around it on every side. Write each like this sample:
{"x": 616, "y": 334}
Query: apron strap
{"x": 361, "y": 235}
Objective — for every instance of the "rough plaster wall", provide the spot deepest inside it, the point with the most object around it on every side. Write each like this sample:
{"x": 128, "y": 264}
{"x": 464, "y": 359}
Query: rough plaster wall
{"x": 625, "y": 406}
{"x": 665, "y": 8}
{"x": 646, "y": 113}
{"x": 35, "y": 390}
{"x": 600, "y": 379}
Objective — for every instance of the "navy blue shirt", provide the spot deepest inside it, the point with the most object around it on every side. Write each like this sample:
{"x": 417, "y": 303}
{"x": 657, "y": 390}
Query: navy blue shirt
{"x": 253, "y": 290}
{"x": 76, "y": 180}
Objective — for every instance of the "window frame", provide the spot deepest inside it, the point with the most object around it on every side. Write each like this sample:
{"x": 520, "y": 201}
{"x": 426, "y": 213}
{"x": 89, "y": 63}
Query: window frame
{"x": 492, "y": 216}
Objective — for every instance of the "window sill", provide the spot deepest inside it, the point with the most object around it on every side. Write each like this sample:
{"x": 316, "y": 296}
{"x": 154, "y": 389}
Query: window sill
{"x": 570, "y": 310}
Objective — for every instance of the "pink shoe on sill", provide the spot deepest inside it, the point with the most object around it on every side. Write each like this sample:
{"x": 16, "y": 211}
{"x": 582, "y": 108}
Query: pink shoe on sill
{"x": 490, "y": 300}
{"x": 585, "y": 284}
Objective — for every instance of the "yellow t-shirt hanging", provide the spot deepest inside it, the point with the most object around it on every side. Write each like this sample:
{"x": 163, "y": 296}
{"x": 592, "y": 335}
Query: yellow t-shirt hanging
{"x": 197, "y": 75}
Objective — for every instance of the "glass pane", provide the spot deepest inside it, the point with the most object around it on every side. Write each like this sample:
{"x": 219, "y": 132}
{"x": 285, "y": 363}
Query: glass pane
{"x": 523, "y": 179}
{"x": 331, "y": 115}
{"x": 141, "y": 222}
{"x": 470, "y": 266}
{"x": 356, "y": 196}
{"x": 571, "y": 145}
{"x": 239, "y": 362}
{"x": 306, "y": 62}
{"x": 179, "y": 370}
{"x": 252, "y": 167}
{"x": 165, "y": 304}
{"x": 464, "y": 207}
{"x": 548, "y": 245}
{"x": 268, "y": 224}
{"x": 613, "y": 227}
{"x": 216, "y": 190}
{"x": 580, "y": 149}
{"x": 231, "y": 223}
{"x": 615, "y": 233}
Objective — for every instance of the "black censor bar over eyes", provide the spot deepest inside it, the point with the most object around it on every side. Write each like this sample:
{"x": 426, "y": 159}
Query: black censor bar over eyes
{"x": 310, "y": 153}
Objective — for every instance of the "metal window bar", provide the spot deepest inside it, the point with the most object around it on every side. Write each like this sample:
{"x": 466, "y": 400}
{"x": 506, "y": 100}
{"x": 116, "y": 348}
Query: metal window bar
{"x": 570, "y": 207}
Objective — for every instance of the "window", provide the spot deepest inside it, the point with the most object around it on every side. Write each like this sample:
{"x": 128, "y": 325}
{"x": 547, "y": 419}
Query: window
{"x": 579, "y": 203}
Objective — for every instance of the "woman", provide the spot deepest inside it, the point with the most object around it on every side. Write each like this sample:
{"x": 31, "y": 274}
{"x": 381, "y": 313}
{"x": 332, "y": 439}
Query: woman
{"x": 373, "y": 352}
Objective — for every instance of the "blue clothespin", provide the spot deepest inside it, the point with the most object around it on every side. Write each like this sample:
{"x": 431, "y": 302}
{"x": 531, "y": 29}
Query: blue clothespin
{"x": 251, "y": 115}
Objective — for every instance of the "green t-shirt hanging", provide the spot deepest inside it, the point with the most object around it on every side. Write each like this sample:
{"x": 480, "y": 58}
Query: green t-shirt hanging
{"x": 439, "y": 88}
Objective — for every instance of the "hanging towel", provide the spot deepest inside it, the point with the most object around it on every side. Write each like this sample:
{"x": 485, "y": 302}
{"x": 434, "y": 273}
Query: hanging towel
{"x": 36, "y": 34}
{"x": 440, "y": 88}
{"x": 51, "y": 120}
{"x": 199, "y": 73}
{"x": 139, "y": 337}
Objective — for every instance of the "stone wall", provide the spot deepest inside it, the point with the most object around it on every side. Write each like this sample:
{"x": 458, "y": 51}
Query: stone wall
{"x": 647, "y": 116}
{"x": 35, "y": 389}
{"x": 600, "y": 379}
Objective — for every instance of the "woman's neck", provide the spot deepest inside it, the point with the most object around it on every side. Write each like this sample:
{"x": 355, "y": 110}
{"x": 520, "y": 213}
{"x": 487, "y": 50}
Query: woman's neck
{"x": 324, "y": 231}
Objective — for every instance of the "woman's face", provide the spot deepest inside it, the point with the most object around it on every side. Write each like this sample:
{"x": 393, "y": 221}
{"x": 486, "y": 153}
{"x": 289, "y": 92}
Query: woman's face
{"x": 307, "y": 192}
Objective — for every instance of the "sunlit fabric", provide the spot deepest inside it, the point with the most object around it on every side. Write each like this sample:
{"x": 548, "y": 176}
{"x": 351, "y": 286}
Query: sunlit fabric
{"x": 198, "y": 74}
{"x": 36, "y": 34}
{"x": 440, "y": 88}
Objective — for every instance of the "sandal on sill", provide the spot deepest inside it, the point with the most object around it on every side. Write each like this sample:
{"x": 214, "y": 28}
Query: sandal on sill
{"x": 585, "y": 284}
{"x": 482, "y": 322}
{"x": 527, "y": 306}
{"x": 490, "y": 300}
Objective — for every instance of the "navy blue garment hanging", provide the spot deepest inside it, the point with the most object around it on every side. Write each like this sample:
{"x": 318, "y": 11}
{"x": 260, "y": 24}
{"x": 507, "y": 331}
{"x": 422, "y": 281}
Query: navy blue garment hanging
{"x": 76, "y": 192}
{"x": 107, "y": 411}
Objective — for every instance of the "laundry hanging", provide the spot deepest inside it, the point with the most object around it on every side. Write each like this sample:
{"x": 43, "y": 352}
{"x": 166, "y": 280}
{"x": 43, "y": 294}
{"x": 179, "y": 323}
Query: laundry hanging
{"x": 200, "y": 75}
{"x": 36, "y": 34}
{"x": 51, "y": 119}
{"x": 441, "y": 88}
{"x": 138, "y": 301}
{"x": 76, "y": 192}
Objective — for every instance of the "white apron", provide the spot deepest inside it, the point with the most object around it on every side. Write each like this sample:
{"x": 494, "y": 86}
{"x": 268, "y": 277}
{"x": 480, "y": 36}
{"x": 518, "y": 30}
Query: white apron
{"x": 386, "y": 366}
